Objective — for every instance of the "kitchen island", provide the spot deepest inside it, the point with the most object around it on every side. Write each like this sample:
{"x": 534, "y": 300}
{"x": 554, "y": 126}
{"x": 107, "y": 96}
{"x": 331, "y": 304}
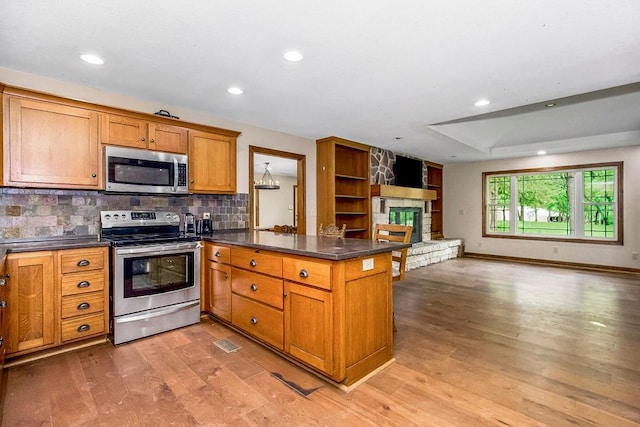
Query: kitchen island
{"x": 324, "y": 303}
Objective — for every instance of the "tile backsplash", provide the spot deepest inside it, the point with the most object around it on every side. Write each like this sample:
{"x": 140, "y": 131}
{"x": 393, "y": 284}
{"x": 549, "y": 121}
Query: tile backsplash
{"x": 32, "y": 213}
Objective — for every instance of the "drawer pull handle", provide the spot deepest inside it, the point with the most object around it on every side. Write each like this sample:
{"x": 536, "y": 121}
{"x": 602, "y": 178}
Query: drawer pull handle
{"x": 83, "y": 263}
{"x": 84, "y": 284}
{"x": 254, "y": 320}
{"x": 83, "y": 328}
{"x": 304, "y": 273}
{"x": 253, "y": 263}
{"x": 218, "y": 254}
{"x": 83, "y": 306}
{"x": 253, "y": 287}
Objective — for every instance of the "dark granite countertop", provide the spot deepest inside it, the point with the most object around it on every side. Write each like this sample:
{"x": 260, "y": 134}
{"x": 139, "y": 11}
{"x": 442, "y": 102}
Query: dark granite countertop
{"x": 314, "y": 246}
{"x": 49, "y": 244}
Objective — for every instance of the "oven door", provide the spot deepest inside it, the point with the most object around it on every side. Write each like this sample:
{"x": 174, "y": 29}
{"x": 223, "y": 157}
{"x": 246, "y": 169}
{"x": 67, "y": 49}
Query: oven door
{"x": 153, "y": 276}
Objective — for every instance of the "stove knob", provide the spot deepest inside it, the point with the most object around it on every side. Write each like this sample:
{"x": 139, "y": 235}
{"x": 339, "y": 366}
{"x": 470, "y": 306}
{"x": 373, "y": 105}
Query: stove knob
{"x": 123, "y": 216}
{"x": 116, "y": 217}
{"x": 169, "y": 216}
{"x": 107, "y": 217}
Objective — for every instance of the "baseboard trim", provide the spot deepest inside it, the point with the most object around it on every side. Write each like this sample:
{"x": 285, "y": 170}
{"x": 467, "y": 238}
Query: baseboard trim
{"x": 560, "y": 264}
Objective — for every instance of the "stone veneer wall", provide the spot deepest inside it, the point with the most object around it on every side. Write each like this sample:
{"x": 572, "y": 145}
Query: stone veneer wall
{"x": 29, "y": 213}
{"x": 382, "y": 162}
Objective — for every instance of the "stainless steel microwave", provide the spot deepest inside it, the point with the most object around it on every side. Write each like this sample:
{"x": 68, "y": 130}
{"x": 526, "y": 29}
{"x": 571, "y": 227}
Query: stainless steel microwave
{"x": 129, "y": 170}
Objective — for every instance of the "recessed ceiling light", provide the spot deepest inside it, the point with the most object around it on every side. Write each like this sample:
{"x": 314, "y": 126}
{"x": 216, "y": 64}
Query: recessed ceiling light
{"x": 482, "y": 102}
{"x": 235, "y": 91}
{"x": 293, "y": 56}
{"x": 550, "y": 104}
{"x": 541, "y": 153}
{"x": 92, "y": 59}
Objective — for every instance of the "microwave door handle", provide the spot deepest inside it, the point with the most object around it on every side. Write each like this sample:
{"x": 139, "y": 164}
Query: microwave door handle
{"x": 175, "y": 175}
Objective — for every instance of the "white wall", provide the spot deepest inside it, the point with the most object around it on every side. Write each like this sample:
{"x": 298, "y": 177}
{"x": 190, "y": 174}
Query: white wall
{"x": 463, "y": 210}
{"x": 251, "y": 135}
{"x": 276, "y": 206}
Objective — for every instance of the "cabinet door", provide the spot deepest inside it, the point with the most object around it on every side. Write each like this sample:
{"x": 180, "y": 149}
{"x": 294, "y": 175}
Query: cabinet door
{"x": 31, "y": 301}
{"x": 123, "y": 131}
{"x": 218, "y": 290}
{"x": 212, "y": 163}
{"x": 308, "y": 326}
{"x": 52, "y": 145}
{"x": 172, "y": 139}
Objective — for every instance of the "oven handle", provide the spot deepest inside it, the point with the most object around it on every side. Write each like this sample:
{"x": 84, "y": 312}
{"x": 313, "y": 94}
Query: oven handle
{"x": 158, "y": 250}
{"x": 159, "y": 313}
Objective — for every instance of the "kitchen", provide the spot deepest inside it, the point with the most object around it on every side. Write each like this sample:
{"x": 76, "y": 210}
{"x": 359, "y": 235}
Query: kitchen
{"x": 150, "y": 258}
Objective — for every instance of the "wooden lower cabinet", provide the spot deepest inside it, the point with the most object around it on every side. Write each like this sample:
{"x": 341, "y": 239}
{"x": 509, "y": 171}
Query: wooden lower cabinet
{"x": 335, "y": 317}
{"x": 308, "y": 326}
{"x": 56, "y": 297}
{"x": 216, "y": 284}
{"x": 31, "y": 302}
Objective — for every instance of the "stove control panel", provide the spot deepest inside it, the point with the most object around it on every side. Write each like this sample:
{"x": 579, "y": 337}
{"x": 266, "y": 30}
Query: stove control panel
{"x": 111, "y": 219}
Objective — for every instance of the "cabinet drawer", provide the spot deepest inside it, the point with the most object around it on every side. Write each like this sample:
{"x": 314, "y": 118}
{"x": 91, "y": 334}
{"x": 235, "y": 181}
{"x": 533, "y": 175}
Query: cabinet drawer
{"x": 79, "y": 327}
{"x": 258, "y": 261}
{"x": 309, "y": 272}
{"x": 259, "y": 320}
{"x": 78, "y": 283}
{"x": 83, "y": 304}
{"x": 259, "y": 287}
{"x": 217, "y": 253}
{"x": 72, "y": 261}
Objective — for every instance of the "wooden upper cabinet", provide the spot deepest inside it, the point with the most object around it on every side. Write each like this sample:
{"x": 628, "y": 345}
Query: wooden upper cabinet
{"x": 136, "y": 133}
{"x": 49, "y": 144}
{"x": 212, "y": 162}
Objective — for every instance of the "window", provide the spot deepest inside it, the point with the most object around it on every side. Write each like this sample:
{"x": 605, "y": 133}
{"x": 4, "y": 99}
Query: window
{"x": 574, "y": 203}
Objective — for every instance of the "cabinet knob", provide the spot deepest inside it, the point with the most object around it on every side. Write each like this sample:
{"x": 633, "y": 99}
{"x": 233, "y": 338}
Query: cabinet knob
{"x": 83, "y": 306}
{"x": 253, "y": 263}
{"x": 226, "y": 276}
{"x": 83, "y": 263}
{"x": 253, "y": 320}
{"x": 253, "y": 287}
{"x": 217, "y": 255}
{"x": 143, "y": 139}
{"x": 152, "y": 140}
{"x": 3, "y": 304}
{"x": 3, "y": 282}
{"x": 83, "y": 328}
{"x": 192, "y": 182}
{"x": 83, "y": 284}
{"x": 93, "y": 175}
{"x": 304, "y": 273}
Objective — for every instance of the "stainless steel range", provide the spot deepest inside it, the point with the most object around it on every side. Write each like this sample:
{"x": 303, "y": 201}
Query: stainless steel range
{"x": 155, "y": 273}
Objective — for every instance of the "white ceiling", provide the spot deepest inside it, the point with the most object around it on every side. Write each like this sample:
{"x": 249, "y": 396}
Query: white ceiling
{"x": 372, "y": 70}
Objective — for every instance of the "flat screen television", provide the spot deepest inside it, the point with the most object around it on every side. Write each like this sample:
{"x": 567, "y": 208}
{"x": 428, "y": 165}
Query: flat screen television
{"x": 408, "y": 172}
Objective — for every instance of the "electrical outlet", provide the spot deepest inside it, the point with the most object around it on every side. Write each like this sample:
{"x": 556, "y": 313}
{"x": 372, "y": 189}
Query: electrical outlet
{"x": 367, "y": 264}
{"x": 206, "y": 215}
{"x": 635, "y": 256}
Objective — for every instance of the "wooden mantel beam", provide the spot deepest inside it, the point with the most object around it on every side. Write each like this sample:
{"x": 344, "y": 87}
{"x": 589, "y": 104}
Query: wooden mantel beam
{"x": 378, "y": 190}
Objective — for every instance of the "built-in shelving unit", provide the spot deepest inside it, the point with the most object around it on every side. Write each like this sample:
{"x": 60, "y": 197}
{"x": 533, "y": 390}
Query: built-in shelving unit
{"x": 343, "y": 191}
{"x": 434, "y": 182}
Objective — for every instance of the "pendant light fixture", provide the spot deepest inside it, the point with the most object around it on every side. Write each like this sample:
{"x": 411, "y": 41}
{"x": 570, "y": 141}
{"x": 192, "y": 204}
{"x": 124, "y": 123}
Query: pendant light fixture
{"x": 266, "y": 182}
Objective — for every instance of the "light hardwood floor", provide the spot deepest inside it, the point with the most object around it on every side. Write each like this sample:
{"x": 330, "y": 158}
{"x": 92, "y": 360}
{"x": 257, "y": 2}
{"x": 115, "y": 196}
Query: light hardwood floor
{"x": 478, "y": 343}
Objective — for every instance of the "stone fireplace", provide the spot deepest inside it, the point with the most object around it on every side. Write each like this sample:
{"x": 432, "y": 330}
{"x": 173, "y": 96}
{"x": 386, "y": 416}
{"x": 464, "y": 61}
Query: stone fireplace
{"x": 424, "y": 251}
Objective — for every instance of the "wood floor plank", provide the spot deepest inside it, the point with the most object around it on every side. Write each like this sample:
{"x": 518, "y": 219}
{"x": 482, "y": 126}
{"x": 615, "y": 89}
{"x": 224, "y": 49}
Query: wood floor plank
{"x": 478, "y": 343}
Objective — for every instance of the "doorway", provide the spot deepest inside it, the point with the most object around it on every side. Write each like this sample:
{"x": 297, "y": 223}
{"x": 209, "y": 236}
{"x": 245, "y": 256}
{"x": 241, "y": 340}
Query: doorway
{"x": 286, "y": 204}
